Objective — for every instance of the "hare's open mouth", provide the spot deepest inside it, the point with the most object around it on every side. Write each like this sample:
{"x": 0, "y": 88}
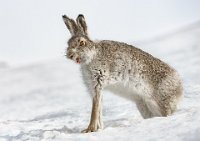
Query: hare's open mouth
{"x": 78, "y": 60}
{"x": 75, "y": 58}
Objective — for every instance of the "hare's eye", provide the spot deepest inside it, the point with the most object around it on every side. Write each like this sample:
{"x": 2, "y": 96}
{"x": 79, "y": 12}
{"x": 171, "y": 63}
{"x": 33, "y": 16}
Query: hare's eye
{"x": 82, "y": 43}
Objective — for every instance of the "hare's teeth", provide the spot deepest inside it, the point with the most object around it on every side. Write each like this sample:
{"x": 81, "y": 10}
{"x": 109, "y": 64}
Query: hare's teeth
{"x": 78, "y": 60}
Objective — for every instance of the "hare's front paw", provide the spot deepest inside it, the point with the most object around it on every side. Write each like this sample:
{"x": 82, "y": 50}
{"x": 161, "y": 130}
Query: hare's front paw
{"x": 91, "y": 128}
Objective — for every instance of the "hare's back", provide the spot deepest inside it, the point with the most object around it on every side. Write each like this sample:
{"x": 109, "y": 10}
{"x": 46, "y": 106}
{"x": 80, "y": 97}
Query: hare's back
{"x": 134, "y": 59}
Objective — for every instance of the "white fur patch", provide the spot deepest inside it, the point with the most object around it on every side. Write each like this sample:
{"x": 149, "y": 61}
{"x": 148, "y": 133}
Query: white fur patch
{"x": 87, "y": 57}
{"x": 131, "y": 89}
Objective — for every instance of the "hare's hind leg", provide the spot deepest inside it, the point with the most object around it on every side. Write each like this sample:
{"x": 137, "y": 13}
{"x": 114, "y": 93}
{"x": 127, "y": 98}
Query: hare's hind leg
{"x": 143, "y": 109}
{"x": 170, "y": 93}
{"x": 148, "y": 108}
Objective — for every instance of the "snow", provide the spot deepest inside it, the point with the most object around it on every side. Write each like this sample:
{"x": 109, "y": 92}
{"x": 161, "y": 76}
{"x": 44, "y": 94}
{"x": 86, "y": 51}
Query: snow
{"x": 3, "y": 65}
{"x": 48, "y": 101}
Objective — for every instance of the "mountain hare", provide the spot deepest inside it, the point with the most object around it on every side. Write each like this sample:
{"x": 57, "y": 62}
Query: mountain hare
{"x": 124, "y": 69}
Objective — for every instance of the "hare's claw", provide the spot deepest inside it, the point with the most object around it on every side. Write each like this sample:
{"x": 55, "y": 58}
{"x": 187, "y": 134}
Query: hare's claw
{"x": 90, "y": 129}
{"x": 86, "y": 131}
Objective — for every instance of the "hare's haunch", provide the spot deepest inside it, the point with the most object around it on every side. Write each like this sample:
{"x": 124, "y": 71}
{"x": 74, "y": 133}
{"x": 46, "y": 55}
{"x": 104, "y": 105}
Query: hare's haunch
{"x": 126, "y": 70}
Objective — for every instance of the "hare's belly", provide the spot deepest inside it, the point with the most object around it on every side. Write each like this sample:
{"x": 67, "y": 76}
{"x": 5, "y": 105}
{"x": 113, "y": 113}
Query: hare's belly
{"x": 131, "y": 89}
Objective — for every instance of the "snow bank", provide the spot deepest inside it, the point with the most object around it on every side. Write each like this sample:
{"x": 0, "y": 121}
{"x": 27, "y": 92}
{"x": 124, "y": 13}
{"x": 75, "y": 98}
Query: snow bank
{"x": 3, "y": 65}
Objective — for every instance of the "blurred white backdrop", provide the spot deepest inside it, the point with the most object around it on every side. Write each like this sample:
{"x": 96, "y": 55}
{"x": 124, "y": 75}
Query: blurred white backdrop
{"x": 33, "y": 30}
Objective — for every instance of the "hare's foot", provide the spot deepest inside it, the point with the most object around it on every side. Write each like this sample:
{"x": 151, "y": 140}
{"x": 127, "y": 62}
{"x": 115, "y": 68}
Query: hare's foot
{"x": 91, "y": 128}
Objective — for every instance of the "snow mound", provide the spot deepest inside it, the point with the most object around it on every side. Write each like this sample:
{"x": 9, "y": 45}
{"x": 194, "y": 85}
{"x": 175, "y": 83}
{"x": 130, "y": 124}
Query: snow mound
{"x": 48, "y": 101}
{"x": 3, "y": 65}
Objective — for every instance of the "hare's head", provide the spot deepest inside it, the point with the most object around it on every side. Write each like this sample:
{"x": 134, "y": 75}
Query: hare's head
{"x": 80, "y": 47}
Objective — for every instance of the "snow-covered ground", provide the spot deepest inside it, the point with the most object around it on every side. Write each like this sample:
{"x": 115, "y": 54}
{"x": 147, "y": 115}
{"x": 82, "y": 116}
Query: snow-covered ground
{"x": 48, "y": 101}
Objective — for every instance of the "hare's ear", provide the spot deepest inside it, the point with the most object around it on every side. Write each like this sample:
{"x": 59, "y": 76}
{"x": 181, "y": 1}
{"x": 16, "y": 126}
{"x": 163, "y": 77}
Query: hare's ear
{"x": 71, "y": 25}
{"x": 82, "y": 24}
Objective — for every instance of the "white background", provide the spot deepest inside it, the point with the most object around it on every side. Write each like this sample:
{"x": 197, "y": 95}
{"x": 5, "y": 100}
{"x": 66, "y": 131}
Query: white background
{"x": 33, "y": 30}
